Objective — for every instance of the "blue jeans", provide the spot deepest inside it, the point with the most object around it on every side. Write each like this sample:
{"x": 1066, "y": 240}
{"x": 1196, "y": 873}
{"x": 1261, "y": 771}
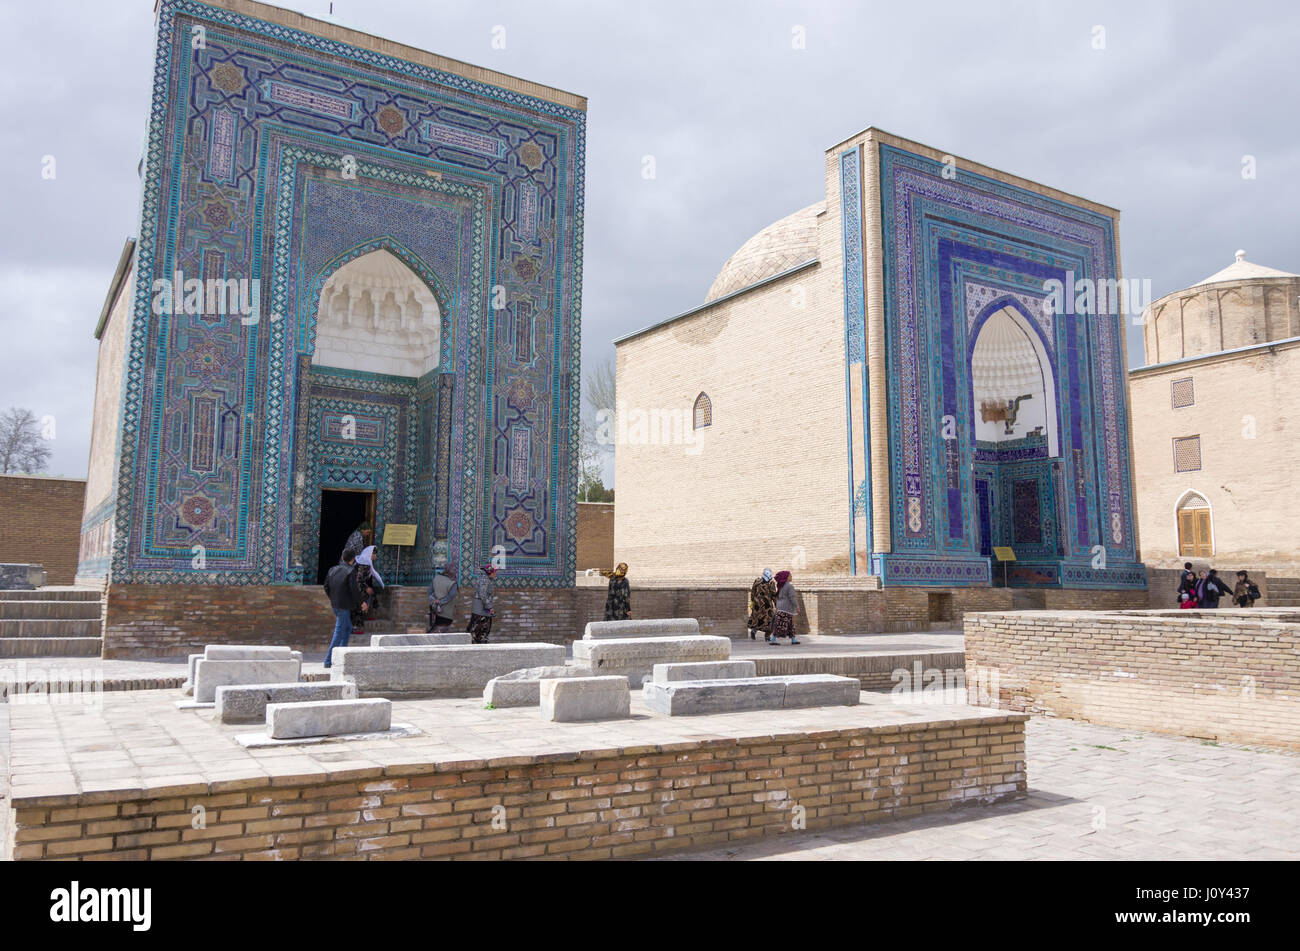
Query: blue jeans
{"x": 342, "y": 632}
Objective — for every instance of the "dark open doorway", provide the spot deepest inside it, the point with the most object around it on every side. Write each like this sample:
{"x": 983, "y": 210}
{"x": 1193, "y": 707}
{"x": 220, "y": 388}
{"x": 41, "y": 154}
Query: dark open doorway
{"x": 341, "y": 511}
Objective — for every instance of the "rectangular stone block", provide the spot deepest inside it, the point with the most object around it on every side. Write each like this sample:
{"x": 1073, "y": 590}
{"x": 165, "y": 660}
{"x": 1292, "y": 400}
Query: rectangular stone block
{"x": 820, "y": 690}
{"x": 247, "y": 704}
{"x": 211, "y": 674}
{"x": 246, "y": 652}
{"x": 420, "y": 640}
{"x": 234, "y": 652}
{"x": 288, "y": 721}
{"x": 643, "y": 627}
{"x": 689, "y": 697}
{"x": 704, "y": 670}
{"x": 635, "y": 657}
{"x": 575, "y": 699}
{"x": 459, "y": 670}
{"x": 522, "y": 688}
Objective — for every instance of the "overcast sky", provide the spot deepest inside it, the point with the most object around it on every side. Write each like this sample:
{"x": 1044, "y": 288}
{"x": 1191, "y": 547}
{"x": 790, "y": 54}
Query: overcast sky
{"x": 737, "y": 118}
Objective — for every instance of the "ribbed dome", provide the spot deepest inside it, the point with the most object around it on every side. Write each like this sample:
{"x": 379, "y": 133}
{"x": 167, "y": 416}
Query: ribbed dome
{"x": 1242, "y": 270}
{"x": 1004, "y": 364}
{"x": 778, "y": 247}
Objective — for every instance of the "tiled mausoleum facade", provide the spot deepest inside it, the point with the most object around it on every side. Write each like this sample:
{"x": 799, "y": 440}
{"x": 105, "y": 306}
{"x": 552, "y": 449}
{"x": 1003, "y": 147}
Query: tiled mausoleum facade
{"x": 284, "y": 152}
{"x": 897, "y": 381}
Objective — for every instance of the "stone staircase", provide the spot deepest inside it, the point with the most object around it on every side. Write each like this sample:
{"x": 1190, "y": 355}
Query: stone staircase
{"x": 51, "y": 622}
{"x": 1283, "y": 592}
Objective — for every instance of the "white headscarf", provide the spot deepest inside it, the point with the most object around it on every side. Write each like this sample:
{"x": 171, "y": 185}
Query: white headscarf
{"x": 367, "y": 558}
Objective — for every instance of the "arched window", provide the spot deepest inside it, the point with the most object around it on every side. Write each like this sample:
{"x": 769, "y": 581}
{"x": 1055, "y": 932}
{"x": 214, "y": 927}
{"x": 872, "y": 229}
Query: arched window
{"x": 1195, "y": 536}
{"x": 703, "y": 411}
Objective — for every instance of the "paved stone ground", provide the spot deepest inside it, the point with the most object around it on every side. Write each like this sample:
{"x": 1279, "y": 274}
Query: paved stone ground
{"x": 1094, "y": 793}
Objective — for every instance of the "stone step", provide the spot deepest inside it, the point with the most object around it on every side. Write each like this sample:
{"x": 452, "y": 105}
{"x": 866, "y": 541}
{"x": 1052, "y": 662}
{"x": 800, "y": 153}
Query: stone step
{"x": 54, "y": 594}
{"x": 51, "y": 647}
{"x": 50, "y": 610}
{"x": 46, "y": 628}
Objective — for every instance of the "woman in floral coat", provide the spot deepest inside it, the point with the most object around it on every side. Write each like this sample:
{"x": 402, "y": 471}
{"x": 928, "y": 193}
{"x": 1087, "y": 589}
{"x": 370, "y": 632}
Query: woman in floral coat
{"x": 481, "y": 611}
{"x": 618, "y": 602}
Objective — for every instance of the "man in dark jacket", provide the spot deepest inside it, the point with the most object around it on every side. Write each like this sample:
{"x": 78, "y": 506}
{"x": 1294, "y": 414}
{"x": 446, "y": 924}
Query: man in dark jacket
{"x": 345, "y": 596}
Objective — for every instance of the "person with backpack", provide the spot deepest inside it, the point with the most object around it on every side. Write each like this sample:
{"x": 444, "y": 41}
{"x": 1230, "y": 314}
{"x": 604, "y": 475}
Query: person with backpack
{"x": 1245, "y": 593}
{"x": 344, "y": 592}
{"x": 442, "y": 600}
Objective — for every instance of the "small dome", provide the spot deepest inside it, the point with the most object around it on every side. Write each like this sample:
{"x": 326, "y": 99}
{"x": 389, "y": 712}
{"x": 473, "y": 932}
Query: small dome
{"x": 1242, "y": 270}
{"x": 778, "y": 247}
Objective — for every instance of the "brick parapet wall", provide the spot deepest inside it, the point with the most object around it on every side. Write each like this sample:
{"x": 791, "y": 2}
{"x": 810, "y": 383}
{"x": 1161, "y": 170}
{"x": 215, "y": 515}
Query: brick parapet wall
{"x": 169, "y": 620}
{"x": 42, "y": 523}
{"x": 615, "y": 803}
{"x": 1217, "y": 675}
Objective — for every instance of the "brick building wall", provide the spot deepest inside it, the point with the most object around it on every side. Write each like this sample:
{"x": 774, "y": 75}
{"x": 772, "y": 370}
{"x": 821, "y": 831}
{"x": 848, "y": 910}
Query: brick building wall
{"x": 764, "y": 482}
{"x": 42, "y": 523}
{"x": 613, "y": 803}
{"x": 1222, "y": 675}
{"x": 595, "y": 535}
{"x": 1242, "y": 410}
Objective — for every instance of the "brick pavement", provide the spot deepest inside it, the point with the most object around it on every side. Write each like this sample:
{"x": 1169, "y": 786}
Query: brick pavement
{"x": 1094, "y": 793}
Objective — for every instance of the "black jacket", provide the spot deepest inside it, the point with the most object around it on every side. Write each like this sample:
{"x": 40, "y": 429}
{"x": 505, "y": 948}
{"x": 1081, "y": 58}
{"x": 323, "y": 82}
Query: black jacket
{"x": 342, "y": 589}
{"x": 1210, "y": 590}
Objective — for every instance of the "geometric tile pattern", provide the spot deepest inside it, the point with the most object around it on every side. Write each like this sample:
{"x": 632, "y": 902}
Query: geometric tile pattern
{"x": 958, "y": 250}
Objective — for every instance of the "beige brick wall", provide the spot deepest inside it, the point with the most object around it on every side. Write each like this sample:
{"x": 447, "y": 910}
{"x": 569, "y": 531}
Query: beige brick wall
{"x": 1248, "y": 482}
{"x": 765, "y": 484}
{"x": 614, "y": 803}
{"x": 96, "y": 541}
{"x": 1213, "y": 674}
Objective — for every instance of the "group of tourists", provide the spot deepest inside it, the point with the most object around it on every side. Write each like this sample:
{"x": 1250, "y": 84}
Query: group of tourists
{"x": 1204, "y": 590}
{"x": 354, "y": 587}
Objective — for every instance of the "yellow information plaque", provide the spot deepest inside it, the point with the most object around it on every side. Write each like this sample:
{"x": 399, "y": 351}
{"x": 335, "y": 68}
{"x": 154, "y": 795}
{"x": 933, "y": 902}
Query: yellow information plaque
{"x": 1000, "y": 553}
{"x": 399, "y": 534}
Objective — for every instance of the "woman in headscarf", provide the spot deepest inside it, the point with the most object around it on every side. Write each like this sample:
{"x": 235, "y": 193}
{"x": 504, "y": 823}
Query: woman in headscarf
{"x": 481, "y": 611}
{"x": 361, "y": 537}
{"x": 618, "y": 602}
{"x": 787, "y": 606}
{"x": 442, "y": 600}
{"x": 369, "y": 581}
{"x": 762, "y": 604}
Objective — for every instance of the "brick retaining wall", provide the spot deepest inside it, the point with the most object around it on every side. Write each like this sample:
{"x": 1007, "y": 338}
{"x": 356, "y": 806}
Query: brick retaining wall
{"x": 1224, "y": 674}
{"x": 169, "y": 620}
{"x": 615, "y": 803}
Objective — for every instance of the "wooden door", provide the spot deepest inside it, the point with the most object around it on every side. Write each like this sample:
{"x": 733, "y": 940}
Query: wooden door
{"x": 1194, "y": 533}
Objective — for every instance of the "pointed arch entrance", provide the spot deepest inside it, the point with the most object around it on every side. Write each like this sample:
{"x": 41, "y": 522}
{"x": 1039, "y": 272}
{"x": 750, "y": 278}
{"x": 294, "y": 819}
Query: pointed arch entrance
{"x": 368, "y": 394}
{"x": 1016, "y": 441}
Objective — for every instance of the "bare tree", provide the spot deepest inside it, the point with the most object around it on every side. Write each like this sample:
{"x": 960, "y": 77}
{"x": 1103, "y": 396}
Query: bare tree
{"x": 597, "y": 428}
{"x": 22, "y": 447}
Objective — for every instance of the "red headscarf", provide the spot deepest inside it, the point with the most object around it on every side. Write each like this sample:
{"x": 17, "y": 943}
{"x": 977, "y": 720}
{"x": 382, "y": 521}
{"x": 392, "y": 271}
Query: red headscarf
{"x": 782, "y": 578}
